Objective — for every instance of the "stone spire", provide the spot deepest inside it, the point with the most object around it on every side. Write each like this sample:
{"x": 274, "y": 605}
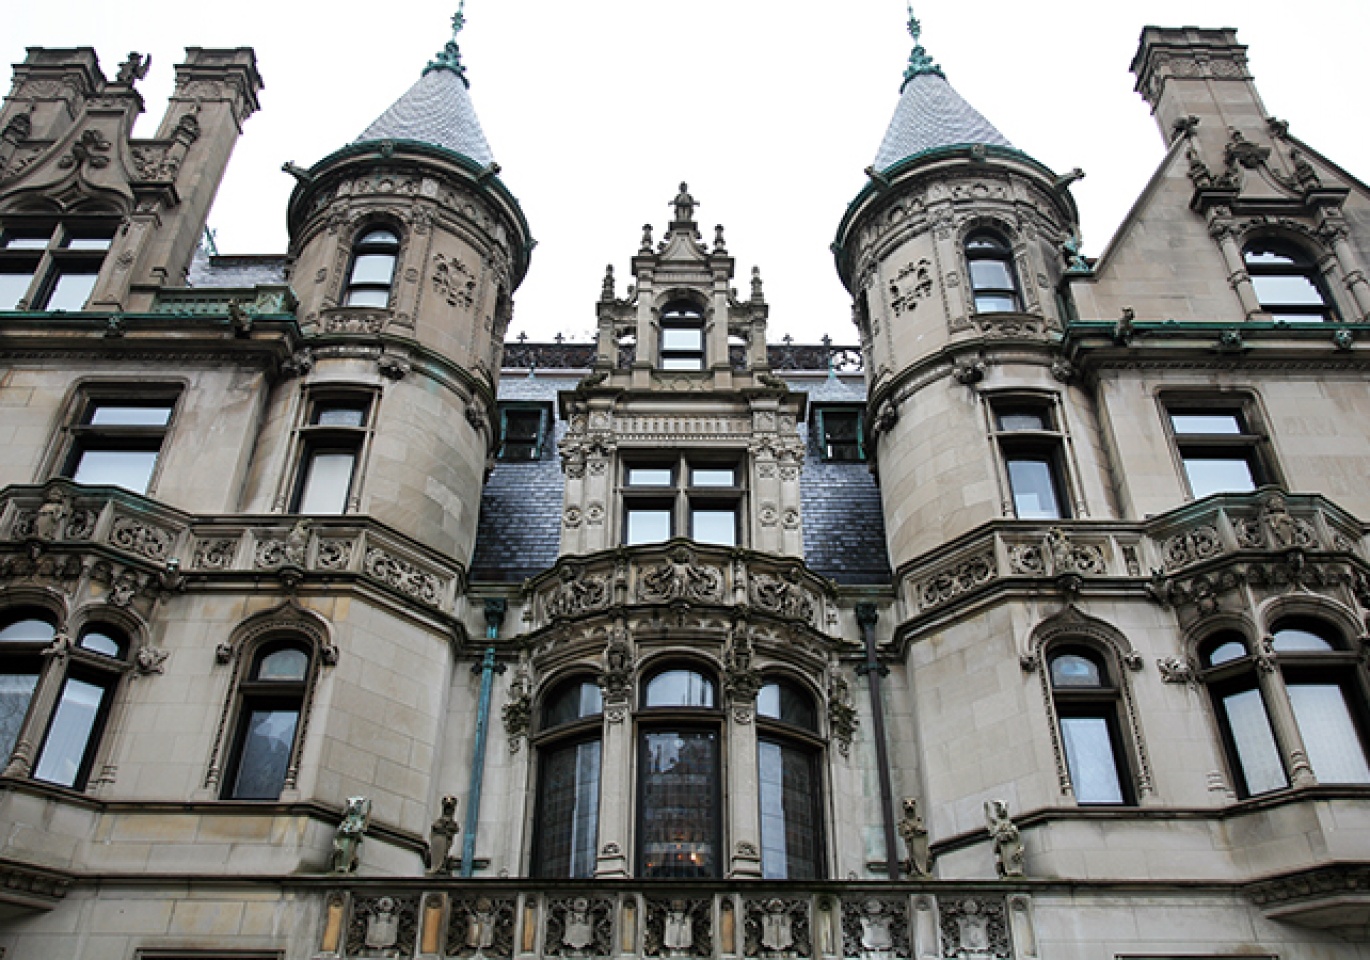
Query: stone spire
{"x": 437, "y": 109}
{"x": 930, "y": 113}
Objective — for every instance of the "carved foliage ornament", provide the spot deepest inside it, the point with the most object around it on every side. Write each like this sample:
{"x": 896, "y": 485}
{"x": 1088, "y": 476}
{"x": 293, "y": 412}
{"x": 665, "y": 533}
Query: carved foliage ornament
{"x": 454, "y": 281}
{"x": 963, "y": 577}
{"x": 875, "y": 927}
{"x": 576, "y": 593}
{"x": 680, "y": 578}
{"x": 974, "y": 927}
{"x": 1190, "y": 546}
{"x": 142, "y": 538}
{"x": 782, "y": 595}
{"x": 402, "y": 575}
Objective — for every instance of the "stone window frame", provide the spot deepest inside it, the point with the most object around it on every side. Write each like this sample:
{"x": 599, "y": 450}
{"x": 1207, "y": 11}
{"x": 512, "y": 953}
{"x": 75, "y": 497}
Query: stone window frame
{"x": 814, "y": 743}
{"x": 287, "y": 623}
{"x": 60, "y": 659}
{"x": 308, "y": 438}
{"x": 693, "y": 315}
{"x": 1303, "y": 263}
{"x": 1104, "y": 701}
{"x": 56, "y": 257}
{"x": 1003, "y": 253}
{"x": 1070, "y": 628}
{"x": 1255, "y": 439}
{"x": 1266, "y": 668}
{"x": 359, "y": 247}
{"x": 75, "y": 434}
{"x": 1053, "y": 444}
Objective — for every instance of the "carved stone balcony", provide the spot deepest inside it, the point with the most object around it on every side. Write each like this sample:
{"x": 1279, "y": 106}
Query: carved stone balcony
{"x": 140, "y": 549}
{"x": 438, "y": 918}
{"x": 1186, "y": 557}
{"x": 681, "y": 574}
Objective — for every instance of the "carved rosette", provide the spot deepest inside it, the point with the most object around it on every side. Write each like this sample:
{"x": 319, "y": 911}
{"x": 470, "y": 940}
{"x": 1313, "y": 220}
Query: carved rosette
{"x": 1190, "y": 546}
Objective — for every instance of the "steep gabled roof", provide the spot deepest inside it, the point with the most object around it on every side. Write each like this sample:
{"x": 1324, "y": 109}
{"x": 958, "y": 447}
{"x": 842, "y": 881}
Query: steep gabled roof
{"x": 437, "y": 109}
{"x": 930, "y": 113}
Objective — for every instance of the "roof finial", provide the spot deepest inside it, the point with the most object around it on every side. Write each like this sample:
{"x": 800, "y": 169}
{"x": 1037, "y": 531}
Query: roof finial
{"x": 919, "y": 61}
{"x": 449, "y": 57}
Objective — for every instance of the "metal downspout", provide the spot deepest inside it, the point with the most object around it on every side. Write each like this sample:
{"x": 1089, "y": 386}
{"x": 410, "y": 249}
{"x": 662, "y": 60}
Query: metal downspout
{"x": 866, "y": 615}
{"x": 494, "y": 615}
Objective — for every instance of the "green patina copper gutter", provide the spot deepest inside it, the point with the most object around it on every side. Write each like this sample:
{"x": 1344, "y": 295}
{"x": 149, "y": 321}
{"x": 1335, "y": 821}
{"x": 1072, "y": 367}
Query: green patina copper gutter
{"x": 494, "y": 616}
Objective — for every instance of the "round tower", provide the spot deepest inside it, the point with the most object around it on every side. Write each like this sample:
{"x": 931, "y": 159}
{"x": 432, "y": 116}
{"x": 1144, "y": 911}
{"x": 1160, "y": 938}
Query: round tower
{"x": 954, "y": 253}
{"x": 406, "y": 251}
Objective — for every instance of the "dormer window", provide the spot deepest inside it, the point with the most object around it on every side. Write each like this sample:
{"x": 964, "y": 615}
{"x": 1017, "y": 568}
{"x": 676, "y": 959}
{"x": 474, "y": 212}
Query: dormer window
{"x": 1286, "y": 282}
{"x": 992, "y": 279}
{"x": 373, "y": 268}
{"x": 682, "y": 337}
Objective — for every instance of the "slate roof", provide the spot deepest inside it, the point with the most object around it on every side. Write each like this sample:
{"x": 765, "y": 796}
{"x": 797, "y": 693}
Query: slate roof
{"x": 235, "y": 270}
{"x": 931, "y": 114}
{"x": 437, "y": 110}
{"x": 519, "y": 531}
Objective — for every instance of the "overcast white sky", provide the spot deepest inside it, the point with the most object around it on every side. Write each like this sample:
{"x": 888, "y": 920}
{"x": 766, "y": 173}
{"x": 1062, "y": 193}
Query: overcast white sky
{"x": 597, "y": 109}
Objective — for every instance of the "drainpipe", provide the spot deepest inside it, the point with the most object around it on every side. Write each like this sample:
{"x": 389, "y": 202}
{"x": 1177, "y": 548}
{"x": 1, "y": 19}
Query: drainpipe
{"x": 494, "y": 616}
{"x": 873, "y": 669}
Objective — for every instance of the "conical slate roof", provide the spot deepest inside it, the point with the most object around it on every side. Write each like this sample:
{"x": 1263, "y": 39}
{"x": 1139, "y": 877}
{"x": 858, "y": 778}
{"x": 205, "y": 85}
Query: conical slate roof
{"x": 930, "y": 113}
{"x": 437, "y": 109}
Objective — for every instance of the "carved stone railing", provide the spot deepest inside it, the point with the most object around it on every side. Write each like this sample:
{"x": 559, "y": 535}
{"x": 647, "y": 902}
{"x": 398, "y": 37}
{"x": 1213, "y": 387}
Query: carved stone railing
{"x": 1074, "y": 552}
{"x": 682, "y": 573}
{"x": 258, "y": 301}
{"x": 161, "y": 546}
{"x": 441, "y": 918}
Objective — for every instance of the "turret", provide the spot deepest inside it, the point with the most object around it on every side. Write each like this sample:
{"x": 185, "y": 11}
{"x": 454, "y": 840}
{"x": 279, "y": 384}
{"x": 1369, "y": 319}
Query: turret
{"x": 953, "y": 255}
{"x": 407, "y": 249}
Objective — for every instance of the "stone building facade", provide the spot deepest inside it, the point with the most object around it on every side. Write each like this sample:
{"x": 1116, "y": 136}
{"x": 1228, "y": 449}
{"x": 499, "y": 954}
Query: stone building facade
{"x": 332, "y": 625}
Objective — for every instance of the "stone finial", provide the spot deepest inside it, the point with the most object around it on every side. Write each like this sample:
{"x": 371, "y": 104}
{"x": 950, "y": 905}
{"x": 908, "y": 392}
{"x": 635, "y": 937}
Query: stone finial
{"x": 646, "y": 239}
{"x": 719, "y": 245}
{"x": 1008, "y": 844}
{"x": 756, "y": 285}
{"x": 684, "y": 205}
{"x": 347, "y": 840}
{"x": 606, "y": 292}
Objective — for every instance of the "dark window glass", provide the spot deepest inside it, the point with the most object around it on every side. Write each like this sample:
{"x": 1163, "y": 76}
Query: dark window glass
{"x": 678, "y": 806}
{"x": 521, "y": 434}
{"x": 791, "y": 818}
{"x": 679, "y": 688}
{"x": 574, "y": 701}
{"x": 271, "y": 698}
{"x": 841, "y": 435}
{"x": 568, "y": 805}
{"x": 783, "y": 701}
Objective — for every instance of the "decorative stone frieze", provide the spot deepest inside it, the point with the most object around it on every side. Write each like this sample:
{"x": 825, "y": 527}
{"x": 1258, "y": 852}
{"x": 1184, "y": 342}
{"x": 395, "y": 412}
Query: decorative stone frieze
{"x": 678, "y": 927}
{"x": 974, "y": 926}
{"x": 578, "y": 926}
{"x": 777, "y": 927}
{"x": 875, "y": 927}
{"x": 956, "y": 580}
{"x": 681, "y": 577}
{"x": 1190, "y": 546}
{"x": 481, "y": 926}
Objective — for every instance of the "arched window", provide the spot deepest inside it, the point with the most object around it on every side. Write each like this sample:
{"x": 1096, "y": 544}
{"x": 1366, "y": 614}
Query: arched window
{"x": 568, "y": 781}
{"x": 24, "y": 634}
{"x": 1286, "y": 281}
{"x": 373, "y": 268}
{"x": 682, "y": 336}
{"x": 789, "y": 782}
{"x": 992, "y": 278}
{"x": 1087, "y": 709}
{"x": 1319, "y": 675}
{"x": 1230, "y": 673}
{"x": 270, "y": 700}
{"x": 679, "y": 798}
{"x": 73, "y": 732}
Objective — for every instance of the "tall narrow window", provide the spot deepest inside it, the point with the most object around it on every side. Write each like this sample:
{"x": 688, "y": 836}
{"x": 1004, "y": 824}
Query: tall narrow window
{"x": 992, "y": 279}
{"x": 682, "y": 337}
{"x": 73, "y": 733}
{"x": 1031, "y": 448}
{"x": 24, "y": 635}
{"x": 1286, "y": 282}
{"x": 271, "y": 697}
{"x": 117, "y": 441}
{"x": 569, "y": 753}
{"x": 332, "y": 444}
{"x": 789, "y": 783}
{"x": 373, "y": 268}
{"x": 1220, "y": 451}
{"x": 1320, "y": 678}
{"x": 679, "y": 826}
{"x": 1230, "y": 674}
{"x": 1086, "y": 702}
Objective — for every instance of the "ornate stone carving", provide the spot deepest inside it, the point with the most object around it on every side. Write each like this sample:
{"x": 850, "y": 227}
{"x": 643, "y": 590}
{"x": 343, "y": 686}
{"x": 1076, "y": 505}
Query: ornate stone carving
{"x": 347, "y": 839}
{"x": 577, "y": 593}
{"x": 150, "y": 660}
{"x": 1009, "y": 325}
{"x": 969, "y": 370}
{"x": 1190, "y": 546}
{"x": 741, "y": 680}
{"x": 1056, "y": 555}
{"x": 334, "y": 554}
{"x": 352, "y": 320}
{"x": 140, "y": 537}
{"x": 616, "y": 679}
{"x": 777, "y": 928}
{"x": 481, "y": 927}
{"x": 681, "y": 577}
{"x": 678, "y": 928}
{"x": 782, "y": 595}
{"x": 380, "y": 924}
{"x": 965, "y": 576}
{"x": 915, "y": 837}
{"x": 518, "y": 709}
{"x": 454, "y": 281}
{"x": 1274, "y": 528}
{"x": 214, "y": 554}
{"x": 402, "y": 575}
{"x": 875, "y": 927}
{"x": 437, "y": 855}
{"x": 1176, "y": 669}
{"x": 974, "y": 927}
{"x": 578, "y": 927}
{"x": 1008, "y": 845}
{"x": 841, "y": 713}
